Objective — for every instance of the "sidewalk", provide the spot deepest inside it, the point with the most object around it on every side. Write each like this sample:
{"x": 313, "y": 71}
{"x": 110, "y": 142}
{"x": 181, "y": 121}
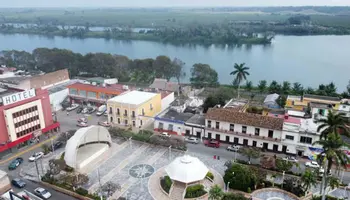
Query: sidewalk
{"x": 24, "y": 150}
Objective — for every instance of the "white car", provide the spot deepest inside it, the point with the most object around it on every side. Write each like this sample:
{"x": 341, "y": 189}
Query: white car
{"x": 36, "y": 156}
{"x": 192, "y": 140}
{"x": 41, "y": 192}
{"x": 85, "y": 110}
{"x": 165, "y": 134}
{"x": 72, "y": 107}
{"x": 233, "y": 148}
{"x": 290, "y": 158}
{"x": 312, "y": 164}
{"x": 83, "y": 119}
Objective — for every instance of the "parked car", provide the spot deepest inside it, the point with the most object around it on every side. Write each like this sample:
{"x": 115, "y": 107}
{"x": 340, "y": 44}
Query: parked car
{"x": 36, "y": 156}
{"x": 165, "y": 134}
{"x": 18, "y": 183}
{"x": 212, "y": 143}
{"x": 91, "y": 110}
{"x": 15, "y": 163}
{"x": 83, "y": 119}
{"x": 79, "y": 109}
{"x": 42, "y": 193}
{"x": 105, "y": 124}
{"x": 72, "y": 107}
{"x": 312, "y": 164}
{"x": 101, "y": 110}
{"x": 85, "y": 110}
{"x": 192, "y": 140}
{"x": 290, "y": 158}
{"x": 233, "y": 148}
{"x": 82, "y": 124}
{"x": 105, "y": 114}
{"x": 56, "y": 145}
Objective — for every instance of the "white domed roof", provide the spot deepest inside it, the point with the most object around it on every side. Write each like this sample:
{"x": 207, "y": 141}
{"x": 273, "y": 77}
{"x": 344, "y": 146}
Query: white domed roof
{"x": 186, "y": 169}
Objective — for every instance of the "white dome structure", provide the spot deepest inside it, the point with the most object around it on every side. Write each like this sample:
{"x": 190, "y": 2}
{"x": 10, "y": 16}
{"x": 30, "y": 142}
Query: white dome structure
{"x": 92, "y": 141}
{"x": 186, "y": 169}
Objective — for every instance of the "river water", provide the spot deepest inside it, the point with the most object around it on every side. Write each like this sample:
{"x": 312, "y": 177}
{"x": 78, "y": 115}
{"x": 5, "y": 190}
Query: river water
{"x": 310, "y": 60}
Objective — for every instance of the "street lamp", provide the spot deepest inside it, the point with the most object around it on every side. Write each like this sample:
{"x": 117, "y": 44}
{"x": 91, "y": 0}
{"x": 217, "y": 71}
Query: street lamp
{"x": 170, "y": 152}
{"x": 228, "y": 186}
{"x": 283, "y": 178}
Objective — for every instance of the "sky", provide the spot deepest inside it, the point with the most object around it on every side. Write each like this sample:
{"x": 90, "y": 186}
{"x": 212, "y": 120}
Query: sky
{"x": 167, "y": 3}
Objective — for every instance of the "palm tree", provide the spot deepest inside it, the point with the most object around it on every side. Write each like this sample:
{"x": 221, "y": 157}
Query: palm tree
{"x": 333, "y": 183}
{"x": 285, "y": 87}
{"x": 262, "y": 85}
{"x": 215, "y": 193}
{"x": 249, "y": 86}
{"x": 332, "y": 124}
{"x": 309, "y": 178}
{"x": 241, "y": 73}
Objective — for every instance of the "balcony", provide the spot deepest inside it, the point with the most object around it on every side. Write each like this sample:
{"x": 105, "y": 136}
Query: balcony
{"x": 252, "y": 135}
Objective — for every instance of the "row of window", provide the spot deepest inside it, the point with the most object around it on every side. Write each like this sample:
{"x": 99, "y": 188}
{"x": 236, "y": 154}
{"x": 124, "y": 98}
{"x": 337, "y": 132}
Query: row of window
{"x": 303, "y": 139}
{"x": 27, "y": 121}
{"x": 89, "y": 94}
{"x": 29, "y": 130}
{"x": 244, "y": 129}
{"x": 25, "y": 111}
{"x": 126, "y": 122}
{"x": 126, "y": 111}
{"x": 170, "y": 126}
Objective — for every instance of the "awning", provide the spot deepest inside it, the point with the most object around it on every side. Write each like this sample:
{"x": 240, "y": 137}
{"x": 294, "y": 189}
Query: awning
{"x": 49, "y": 128}
{"x": 14, "y": 143}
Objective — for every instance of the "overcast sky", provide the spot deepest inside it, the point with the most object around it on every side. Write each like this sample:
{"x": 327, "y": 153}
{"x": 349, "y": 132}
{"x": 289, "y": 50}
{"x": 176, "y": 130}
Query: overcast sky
{"x": 167, "y": 3}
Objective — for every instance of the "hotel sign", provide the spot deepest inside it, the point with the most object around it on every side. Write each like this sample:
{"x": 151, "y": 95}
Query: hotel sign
{"x": 13, "y": 98}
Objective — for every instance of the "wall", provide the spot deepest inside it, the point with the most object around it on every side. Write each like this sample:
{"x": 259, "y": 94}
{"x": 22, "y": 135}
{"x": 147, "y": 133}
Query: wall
{"x": 178, "y": 129}
{"x": 49, "y": 79}
{"x": 193, "y": 129}
{"x": 57, "y": 98}
{"x": 166, "y": 101}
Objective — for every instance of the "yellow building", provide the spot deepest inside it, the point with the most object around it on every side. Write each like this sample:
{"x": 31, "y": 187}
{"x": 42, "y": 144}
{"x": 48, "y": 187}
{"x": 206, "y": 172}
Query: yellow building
{"x": 134, "y": 108}
{"x": 300, "y": 103}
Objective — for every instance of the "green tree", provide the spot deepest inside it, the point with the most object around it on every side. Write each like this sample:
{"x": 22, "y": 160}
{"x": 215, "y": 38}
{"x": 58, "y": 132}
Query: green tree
{"x": 215, "y": 193}
{"x": 274, "y": 87}
{"x": 334, "y": 123}
{"x": 45, "y": 148}
{"x": 250, "y": 152}
{"x": 310, "y": 90}
{"x": 240, "y": 72}
{"x": 178, "y": 67}
{"x": 249, "y": 86}
{"x": 163, "y": 67}
{"x": 333, "y": 183}
{"x": 297, "y": 88}
{"x": 109, "y": 188}
{"x": 283, "y": 165}
{"x": 308, "y": 179}
{"x": 262, "y": 85}
{"x": 330, "y": 89}
{"x": 285, "y": 87}
{"x": 233, "y": 196}
{"x": 203, "y": 75}
{"x": 240, "y": 177}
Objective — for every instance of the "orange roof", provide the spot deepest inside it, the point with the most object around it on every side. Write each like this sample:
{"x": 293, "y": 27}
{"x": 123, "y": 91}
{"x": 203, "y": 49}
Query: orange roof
{"x": 109, "y": 89}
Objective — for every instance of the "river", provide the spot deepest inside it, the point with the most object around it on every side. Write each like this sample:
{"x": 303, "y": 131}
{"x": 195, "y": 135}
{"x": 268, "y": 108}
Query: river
{"x": 310, "y": 60}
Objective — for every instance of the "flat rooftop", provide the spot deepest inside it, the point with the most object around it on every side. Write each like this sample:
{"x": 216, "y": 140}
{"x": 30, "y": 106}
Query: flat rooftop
{"x": 197, "y": 119}
{"x": 174, "y": 115}
{"x": 133, "y": 97}
{"x": 109, "y": 89}
{"x": 62, "y": 86}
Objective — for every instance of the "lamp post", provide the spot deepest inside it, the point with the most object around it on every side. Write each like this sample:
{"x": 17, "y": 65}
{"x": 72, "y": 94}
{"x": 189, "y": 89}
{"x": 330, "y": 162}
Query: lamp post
{"x": 283, "y": 178}
{"x": 170, "y": 152}
{"x": 53, "y": 148}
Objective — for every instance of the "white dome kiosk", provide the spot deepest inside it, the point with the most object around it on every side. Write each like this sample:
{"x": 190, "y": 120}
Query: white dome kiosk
{"x": 187, "y": 170}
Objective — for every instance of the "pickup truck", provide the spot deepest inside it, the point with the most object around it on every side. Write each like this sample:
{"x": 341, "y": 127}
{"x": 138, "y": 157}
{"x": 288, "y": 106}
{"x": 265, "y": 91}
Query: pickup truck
{"x": 212, "y": 143}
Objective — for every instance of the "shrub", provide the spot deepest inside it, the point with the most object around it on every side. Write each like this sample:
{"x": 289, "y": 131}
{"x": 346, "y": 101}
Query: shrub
{"x": 82, "y": 191}
{"x": 230, "y": 196}
{"x": 249, "y": 190}
{"x": 195, "y": 191}
{"x": 240, "y": 177}
{"x": 242, "y": 162}
{"x": 45, "y": 148}
{"x": 62, "y": 156}
{"x": 210, "y": 175}
{"x": 68, "y": 169}
{"x": 166, "y": 183}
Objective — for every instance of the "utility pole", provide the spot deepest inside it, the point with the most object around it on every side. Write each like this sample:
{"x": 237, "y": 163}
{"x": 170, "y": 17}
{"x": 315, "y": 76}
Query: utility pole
{"x": 99, "y": 182}
{"x": 37, "y": 170}
{"x": 53, "y": 148}
{"x": 324, "y": 182}
{"x": 170, "y": 152}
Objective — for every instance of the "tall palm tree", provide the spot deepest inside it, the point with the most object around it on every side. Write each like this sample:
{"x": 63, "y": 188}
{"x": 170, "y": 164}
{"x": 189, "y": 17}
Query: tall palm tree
{"x": 334, "y": 123}
{"x": 308, "y": 179}
{"x": 215, "y": 193}
{"x": 241, "y": 73}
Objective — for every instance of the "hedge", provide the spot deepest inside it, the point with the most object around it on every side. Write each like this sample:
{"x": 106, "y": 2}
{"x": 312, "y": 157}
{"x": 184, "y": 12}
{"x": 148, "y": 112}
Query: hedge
{"x": 166, "y": 183}
{"x": 195, "y": 191}
{"x": 210, "y": 175}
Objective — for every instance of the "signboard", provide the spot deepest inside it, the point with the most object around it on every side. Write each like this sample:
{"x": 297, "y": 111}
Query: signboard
{"x": 20, "y": 96}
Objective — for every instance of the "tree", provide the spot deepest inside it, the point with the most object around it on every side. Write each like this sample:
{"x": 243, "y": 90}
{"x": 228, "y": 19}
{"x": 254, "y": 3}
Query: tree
{"x": 262, "y": 86}
{"x": 65, "y": 136}
{"x": 249, "y": 86}
{"x": 178, "y": 67}
{"x": 283, "y": 165}
{"x": 297, "y": 88}
{"x": 75, "y": 179}
{"x": 285, "y": 87}
{"x": 330, "y": 89}
{"x": 274, "y": 87}
{"x": 333, "y": 183}
{"x": 240, "y": 177}
{"x": 163, "y": 67}
{"x": 45, "y": 148}
{"x": 215, "y": 193}
{"x": 109, "y": 188}
{"x": 203, "y": 75}
{"x": 56, "y": 166}
{"x": 240, "y": 73}
{"x": 250, "y": 152}
{"x": 233, "y": 196}
{"x": 334, "y": 123}
{"x": 308, "y": 179}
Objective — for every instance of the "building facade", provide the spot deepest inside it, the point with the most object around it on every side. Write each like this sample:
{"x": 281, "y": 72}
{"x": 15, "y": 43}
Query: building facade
{"x": 134, "y": 108}
{"x": 25, "y": 115}
{"x": 171, "y": 121}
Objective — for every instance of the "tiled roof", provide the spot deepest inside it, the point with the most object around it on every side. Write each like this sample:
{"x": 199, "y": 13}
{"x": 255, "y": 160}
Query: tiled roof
{"x": 232, "y": 116}
{"x": 111, "y": 89}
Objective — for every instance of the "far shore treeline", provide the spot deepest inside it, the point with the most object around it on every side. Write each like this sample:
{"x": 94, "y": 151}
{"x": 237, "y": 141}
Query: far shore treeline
{"x": 143, "y": 71}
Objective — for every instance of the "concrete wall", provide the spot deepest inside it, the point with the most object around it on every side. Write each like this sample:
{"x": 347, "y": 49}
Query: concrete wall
{"x": 166, "y": 101}
{"x": 57, "y": 98}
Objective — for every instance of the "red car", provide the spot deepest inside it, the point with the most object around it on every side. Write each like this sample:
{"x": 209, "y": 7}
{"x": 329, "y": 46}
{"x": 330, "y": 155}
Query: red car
{"x": 212, "y": 143}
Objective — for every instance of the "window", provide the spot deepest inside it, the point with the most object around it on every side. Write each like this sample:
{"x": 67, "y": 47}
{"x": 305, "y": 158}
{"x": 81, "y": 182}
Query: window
{"x": 170, "y": 127}
{"x": 92, "y": 94}
{"x": 217, "y": 125}
{"x": 143, "y": 111}
{"x": 133, "y": 123}
{"x": 306, "y": 140}
{"x": 232, "y": 127}
{"x": 160, "y": 126}
{"x": 140, "y": 122}
{"x": 73, "y": 91}
{"x": 150, "y": 107}
{"x": 254, "y": 143}
{"x": 126, "y": 122}
{"x": 209, "y": 124}
{"x": 270, "y": 134}
{"x": 257, "y": 131}
{"x": 289, "y": 137}
{"x": 321, "y": 112}
{"x": 133, "y": 114}
{"x": 110, "y": 110}
{"x": 111, "y": 119}
{"x": 125, "y": 113}
{"x": 82, "y": 93}
{"x": 244, "y": 129}
{"x": 118, "y": 111}
{"x": 118, "y": 120}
